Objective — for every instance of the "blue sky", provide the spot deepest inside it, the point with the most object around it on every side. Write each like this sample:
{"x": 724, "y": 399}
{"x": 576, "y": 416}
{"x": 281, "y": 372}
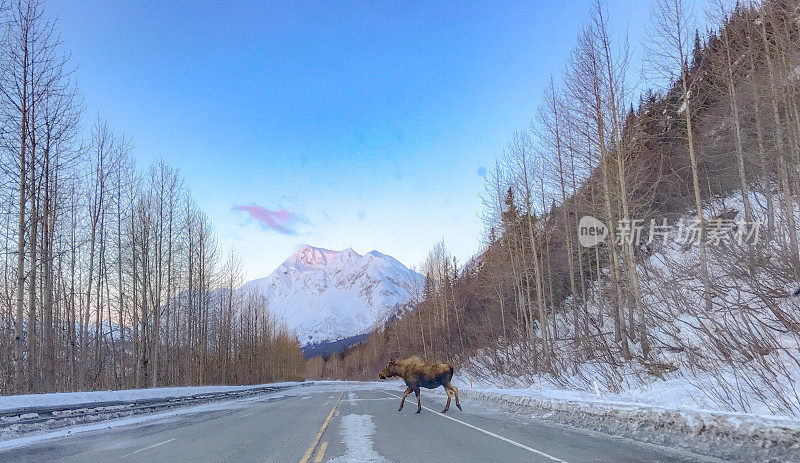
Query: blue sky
{"x": 337, "y": 124}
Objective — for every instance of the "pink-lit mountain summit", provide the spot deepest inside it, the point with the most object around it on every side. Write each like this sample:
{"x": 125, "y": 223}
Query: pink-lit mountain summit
{"x": 325, "y": 295}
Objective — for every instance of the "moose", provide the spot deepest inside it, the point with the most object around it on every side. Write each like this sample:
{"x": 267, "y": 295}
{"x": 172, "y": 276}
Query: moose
{"x": 417, "y": 373}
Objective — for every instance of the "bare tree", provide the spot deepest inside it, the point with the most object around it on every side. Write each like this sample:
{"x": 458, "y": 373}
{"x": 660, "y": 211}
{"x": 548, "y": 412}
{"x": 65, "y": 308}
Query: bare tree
{"x": 667, "y": 51}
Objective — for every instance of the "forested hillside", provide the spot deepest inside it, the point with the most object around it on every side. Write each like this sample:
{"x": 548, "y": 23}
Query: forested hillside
{"x": 695, "y": 178}
{"x": 93, "y": 248}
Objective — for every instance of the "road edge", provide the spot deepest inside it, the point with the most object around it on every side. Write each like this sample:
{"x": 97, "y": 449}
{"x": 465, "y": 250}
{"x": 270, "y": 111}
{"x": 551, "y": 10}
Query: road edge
{"x": 714, "y": 436}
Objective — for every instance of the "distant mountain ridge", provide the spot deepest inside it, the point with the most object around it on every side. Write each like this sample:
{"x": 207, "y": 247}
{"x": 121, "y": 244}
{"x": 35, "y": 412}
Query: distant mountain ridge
{"x": 326, "y": 296}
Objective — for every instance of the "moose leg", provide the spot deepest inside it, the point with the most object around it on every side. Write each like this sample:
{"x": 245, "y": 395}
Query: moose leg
{"x": 447, "y": 407}
{"x": 455, "y": 393}
{"x": 419, "y": 404}
{"x": 402, "y": 402}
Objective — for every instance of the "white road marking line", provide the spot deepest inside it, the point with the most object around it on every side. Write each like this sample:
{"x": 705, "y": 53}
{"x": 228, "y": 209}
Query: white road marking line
{"x": 489, "y": 433}
{"x": 372, "y": 398}
{"x": 150, "y": 447}
{"x": 247, "y": 414}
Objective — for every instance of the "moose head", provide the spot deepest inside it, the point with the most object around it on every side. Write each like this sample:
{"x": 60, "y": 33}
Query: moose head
{"x": 389, "y": 371}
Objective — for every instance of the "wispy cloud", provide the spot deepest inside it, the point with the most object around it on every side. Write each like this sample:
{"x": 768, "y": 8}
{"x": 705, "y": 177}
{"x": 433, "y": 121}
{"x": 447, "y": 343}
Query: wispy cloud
{"x": 281, "y": 221}
{"x": 328, "y": 217}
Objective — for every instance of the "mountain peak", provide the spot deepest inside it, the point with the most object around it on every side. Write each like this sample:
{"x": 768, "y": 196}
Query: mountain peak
{"x": 380, "y": 254}
{"x": 324, "y": 295}
{"x": 309, "y": 255}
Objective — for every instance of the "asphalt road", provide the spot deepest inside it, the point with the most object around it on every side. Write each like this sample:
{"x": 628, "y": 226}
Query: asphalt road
{"x": 340, "y": 423}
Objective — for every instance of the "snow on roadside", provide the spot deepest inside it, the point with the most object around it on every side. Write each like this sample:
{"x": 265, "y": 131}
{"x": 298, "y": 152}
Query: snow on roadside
{"x": 726, "y": 435}
{"x": 58, "y": 399}
{"x": 32, "y": 438}
{"x": 681, "y": 395}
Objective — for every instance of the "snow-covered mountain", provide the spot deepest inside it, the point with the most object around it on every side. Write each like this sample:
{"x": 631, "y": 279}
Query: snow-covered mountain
{"x": 325, "y": 296}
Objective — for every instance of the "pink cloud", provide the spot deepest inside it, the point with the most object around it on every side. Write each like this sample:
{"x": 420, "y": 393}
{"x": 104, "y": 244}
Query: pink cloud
{"x": 279, "y": 221}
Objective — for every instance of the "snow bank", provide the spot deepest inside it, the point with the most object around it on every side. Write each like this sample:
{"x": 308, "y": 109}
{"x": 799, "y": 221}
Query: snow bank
{"x": 14, "y": 402}
{"x": 731, "y": 436}
{"x": 681, "y": 394}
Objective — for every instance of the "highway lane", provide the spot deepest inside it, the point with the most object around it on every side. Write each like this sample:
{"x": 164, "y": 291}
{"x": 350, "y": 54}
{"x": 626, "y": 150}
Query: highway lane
{"x": 341, "y": 423}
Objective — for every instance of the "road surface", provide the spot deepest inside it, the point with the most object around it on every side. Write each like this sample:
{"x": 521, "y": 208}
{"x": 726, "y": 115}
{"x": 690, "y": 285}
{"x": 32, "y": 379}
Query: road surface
{"x": 356, "y": 422}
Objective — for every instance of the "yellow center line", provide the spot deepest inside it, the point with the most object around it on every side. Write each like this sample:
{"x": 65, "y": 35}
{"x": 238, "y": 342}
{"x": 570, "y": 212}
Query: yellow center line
{"x": 321, "y": 452}
{"x": 310, "y": 451}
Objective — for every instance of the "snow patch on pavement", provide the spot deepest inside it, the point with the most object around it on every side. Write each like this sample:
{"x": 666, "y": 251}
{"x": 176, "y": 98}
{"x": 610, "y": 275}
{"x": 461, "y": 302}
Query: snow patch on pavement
{"x": 357, "y": 431}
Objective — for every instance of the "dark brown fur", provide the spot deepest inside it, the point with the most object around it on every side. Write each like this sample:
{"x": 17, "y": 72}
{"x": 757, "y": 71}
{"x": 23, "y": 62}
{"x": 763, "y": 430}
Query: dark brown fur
{"x": 419, "y": 373}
